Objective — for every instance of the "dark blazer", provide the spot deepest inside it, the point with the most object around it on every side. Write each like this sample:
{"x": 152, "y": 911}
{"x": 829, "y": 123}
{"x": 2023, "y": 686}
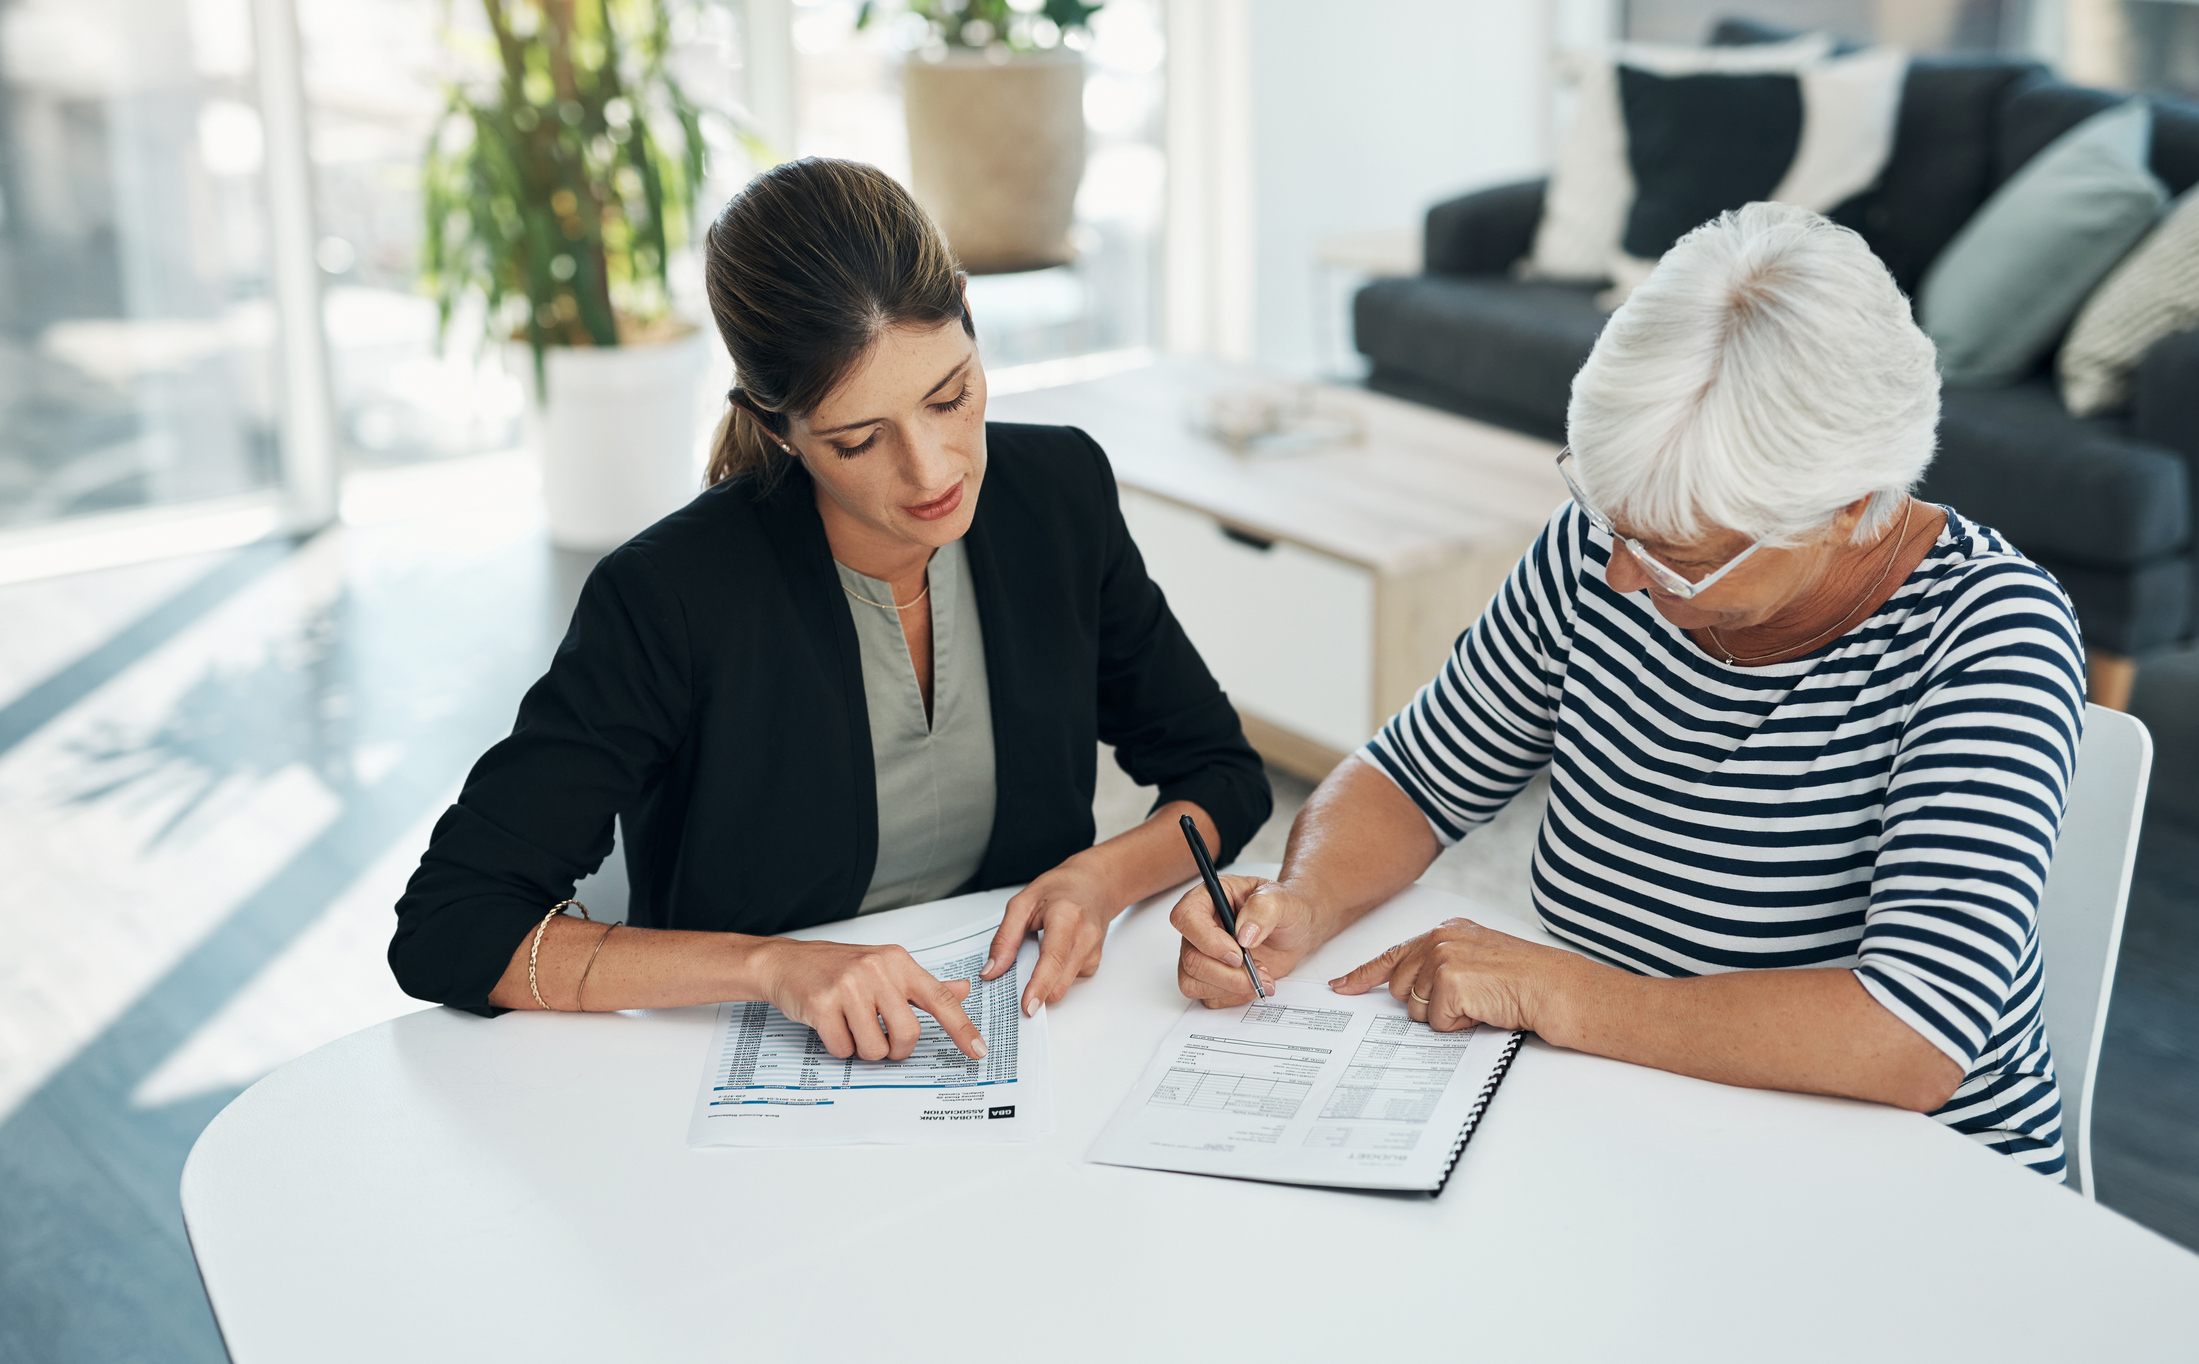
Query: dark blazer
{"x": 709, "y": 694}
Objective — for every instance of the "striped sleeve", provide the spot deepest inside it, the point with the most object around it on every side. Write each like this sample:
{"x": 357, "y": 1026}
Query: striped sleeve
{"x": 1482, "y": 728}
{"x": 1981, "y": 776}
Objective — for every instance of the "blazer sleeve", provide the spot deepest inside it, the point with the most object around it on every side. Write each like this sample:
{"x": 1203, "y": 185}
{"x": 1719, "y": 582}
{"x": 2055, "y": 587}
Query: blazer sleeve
{"x": 535, "y": 814}
{"x": 1168, "y": 720}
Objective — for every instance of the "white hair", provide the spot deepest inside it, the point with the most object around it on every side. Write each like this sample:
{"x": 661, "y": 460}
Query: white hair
{"x": 1767, "y": 374}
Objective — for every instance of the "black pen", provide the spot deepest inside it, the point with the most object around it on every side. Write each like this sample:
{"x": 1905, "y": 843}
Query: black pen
{"x": 1221, "y": 900}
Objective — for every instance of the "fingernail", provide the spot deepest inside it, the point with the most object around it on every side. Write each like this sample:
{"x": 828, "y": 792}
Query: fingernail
{"x": 1251, "y": 936}
{"x": 980, "y": 1048}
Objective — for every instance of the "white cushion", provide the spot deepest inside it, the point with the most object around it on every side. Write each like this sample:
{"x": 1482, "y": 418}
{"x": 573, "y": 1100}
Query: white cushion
{"x": 2153, "y": 293}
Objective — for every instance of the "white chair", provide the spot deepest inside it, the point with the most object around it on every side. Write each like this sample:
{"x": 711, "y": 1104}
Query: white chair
{"x": 2081, "y": 913}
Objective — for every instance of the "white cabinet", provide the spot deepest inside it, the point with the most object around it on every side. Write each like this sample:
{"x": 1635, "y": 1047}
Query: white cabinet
{"x": 1287, "y": 631}
{"x": 1323, "y": 588}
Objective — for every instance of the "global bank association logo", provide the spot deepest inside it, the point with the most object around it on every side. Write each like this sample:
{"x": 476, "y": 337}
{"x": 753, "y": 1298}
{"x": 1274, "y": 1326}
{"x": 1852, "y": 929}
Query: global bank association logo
{"x": 1003, "y": 1111}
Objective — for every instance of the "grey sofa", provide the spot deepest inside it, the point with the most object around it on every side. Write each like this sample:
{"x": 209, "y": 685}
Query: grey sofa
{"x": 2109, "y": 505}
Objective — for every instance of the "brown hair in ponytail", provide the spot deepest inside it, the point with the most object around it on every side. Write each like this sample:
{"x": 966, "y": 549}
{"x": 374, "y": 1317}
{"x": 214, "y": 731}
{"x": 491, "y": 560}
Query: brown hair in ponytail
{"x": 806, "y": 266}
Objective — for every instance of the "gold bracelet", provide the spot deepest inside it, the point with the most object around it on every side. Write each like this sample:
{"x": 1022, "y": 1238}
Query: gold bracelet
{"x": 580, "y": 995}
{"x": 535, "y": 952}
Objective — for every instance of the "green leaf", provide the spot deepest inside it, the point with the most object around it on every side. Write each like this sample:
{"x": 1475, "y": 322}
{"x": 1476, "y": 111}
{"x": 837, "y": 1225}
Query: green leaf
{"x": 532, "y": 166}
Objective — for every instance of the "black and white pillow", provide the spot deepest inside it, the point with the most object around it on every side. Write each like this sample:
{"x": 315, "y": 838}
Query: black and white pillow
{"x": 1585, "y": 203}
{"x": 1700, "y": 144}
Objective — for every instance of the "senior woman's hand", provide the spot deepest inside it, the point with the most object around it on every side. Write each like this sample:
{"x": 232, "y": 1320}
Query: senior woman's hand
{"x": 1459, "y": 973}
{"x": 1272, "y": 919}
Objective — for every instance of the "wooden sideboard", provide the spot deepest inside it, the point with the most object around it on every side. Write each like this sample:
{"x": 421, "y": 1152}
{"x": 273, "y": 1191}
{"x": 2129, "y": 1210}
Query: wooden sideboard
{"x": 1323, "y": 587}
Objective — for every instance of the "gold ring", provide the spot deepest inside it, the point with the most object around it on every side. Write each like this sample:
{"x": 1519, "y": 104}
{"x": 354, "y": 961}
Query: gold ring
{"x": 1417, "y": 999}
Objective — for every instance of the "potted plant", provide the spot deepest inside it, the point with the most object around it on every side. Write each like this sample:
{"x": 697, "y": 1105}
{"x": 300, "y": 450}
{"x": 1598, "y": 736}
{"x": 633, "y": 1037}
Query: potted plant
{"x": 994, "y": 91}
{"x": 557, "y": 186}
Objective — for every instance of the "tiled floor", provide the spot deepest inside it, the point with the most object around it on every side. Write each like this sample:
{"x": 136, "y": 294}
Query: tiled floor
{"x": 216, "y": 774}
{"x": 205, "y": 815}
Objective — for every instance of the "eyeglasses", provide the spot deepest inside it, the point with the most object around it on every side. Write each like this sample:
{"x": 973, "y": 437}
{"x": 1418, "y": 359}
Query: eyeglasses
{"x": 1669, "y": 579}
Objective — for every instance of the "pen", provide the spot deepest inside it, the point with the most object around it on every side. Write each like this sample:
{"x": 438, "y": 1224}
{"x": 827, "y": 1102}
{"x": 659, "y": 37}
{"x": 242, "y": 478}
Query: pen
{"x": 1221, "y": 901}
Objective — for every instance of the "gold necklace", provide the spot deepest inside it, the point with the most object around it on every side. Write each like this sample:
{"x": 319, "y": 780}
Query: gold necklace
{"x": 887, "y": 605}
{"x": 1907, "y": 509}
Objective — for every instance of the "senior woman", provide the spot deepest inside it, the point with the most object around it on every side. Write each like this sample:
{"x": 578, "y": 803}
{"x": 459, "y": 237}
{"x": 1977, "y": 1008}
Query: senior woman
{"x": 1809, "y": 738}
{"x": 869, "y": 666}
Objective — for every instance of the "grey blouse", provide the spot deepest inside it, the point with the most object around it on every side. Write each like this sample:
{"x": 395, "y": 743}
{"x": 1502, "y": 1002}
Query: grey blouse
{"x": 935, "y": 779}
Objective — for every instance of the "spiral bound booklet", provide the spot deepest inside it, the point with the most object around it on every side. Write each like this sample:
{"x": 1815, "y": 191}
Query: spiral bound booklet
{"x": 1310, "y": 1087}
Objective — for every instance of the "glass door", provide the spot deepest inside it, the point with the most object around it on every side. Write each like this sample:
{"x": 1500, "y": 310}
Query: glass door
{"x": 373, "y": 77}
{"x": 137, "y": 334}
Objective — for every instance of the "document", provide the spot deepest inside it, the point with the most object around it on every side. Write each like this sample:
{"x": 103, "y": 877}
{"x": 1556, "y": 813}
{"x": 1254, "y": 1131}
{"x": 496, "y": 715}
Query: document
{"x": 1309, "y": 1087}
{"x": 769, "y": 1081}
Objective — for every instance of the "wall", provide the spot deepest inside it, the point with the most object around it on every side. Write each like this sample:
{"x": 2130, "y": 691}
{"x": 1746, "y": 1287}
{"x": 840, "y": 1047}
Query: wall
{"x": 1364, "y": 115}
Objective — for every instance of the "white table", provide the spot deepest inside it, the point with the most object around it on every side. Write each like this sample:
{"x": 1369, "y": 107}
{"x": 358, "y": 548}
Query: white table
{"x": 445, "y": 1187}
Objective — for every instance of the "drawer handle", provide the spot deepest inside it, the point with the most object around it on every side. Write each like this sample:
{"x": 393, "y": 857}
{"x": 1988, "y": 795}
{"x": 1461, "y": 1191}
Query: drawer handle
{"x": 1261, "y": 543}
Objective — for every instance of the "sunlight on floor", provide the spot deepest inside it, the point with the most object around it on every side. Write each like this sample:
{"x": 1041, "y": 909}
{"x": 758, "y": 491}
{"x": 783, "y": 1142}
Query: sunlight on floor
{"x": 137, "y": 820}
{"x": 141, "y": 816}
{"x": 330, "y": 982}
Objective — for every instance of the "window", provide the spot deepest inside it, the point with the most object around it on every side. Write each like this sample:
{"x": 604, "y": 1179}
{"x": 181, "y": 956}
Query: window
{"x": 374, "y": 78}
{"x": 136, "y": 331}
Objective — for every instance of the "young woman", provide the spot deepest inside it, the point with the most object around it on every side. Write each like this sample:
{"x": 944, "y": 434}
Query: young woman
{"x": 869, "y": 666}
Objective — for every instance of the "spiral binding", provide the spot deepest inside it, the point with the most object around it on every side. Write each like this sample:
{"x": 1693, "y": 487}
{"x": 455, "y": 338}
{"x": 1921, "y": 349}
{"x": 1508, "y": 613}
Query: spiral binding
{"x": 1481, "y": 1102}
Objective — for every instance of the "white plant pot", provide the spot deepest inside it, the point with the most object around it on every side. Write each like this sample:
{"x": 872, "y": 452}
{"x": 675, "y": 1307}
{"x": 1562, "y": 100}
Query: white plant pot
{"x": 996, "y": 151}
{"x": 617, "y": 438}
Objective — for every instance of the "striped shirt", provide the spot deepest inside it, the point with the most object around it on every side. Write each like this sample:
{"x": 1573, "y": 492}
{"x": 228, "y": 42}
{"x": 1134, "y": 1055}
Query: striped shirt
{"x": 1887, "y": 803}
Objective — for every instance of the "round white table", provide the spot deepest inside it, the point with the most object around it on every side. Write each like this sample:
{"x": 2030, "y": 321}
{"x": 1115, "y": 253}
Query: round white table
{"x": 446, "y": 1187}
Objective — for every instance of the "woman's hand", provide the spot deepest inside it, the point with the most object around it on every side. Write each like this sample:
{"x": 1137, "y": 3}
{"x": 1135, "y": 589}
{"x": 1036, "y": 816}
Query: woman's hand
{"x": 1458, "y": 974}
{"x": 844, "y": 990}
{"x": 1072, "y": 904}
{"x": 1271, "y": 918}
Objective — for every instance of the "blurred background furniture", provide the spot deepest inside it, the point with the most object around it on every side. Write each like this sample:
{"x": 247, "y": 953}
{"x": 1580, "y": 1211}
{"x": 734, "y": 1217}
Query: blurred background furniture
{"x": 1343, "y": 263}
{"x": 2106, "y": 504}
{"x": 1325, "y": 585}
